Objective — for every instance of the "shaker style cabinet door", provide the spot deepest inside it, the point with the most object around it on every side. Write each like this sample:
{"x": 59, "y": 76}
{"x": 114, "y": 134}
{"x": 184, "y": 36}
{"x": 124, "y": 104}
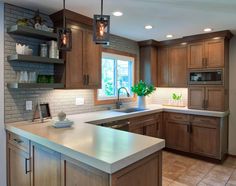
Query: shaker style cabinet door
{"x": 196, "y": 97}
{"x": 177, "y": 66}
{"x": 92, "y": 56}
{"x": 215, "y": 97}
{"x": 74, "y": 61}
{"x": 177, "y": 136}
{"x": 18, "y": 167}
{"x": 196, "y": 55}
{"x": 163, "y": 67}
{"x": 214, "y": 53}
{"x": 46, "y": 166}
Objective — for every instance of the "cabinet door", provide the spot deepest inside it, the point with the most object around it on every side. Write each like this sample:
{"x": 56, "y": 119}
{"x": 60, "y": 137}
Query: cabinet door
{"x": 214, "y": 52}
{"x": 137, "y": 130}
{"x": 18, "y": 167}
{"x": 177, "y": 136}
{"x": 151, "y": 129}
{"x": 205, "y": 139}
{"x": 74, "y": 60}
{"x": 196, "y": 55}
{"x": 148, "y": 65}
{"x": 46, "y": 166}
{"x": 76, "y": 173}
{"x": 91, "y": 61}
{"x": 177, "y": 66}
{"x": 163, "y": 67}
{"x": 215, "y": 98}
{"x": 196, "y": 96}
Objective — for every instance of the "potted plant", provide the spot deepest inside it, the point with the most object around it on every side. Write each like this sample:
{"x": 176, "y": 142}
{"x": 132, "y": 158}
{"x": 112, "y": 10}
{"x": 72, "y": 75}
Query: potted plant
{"x": 142, "y": 90}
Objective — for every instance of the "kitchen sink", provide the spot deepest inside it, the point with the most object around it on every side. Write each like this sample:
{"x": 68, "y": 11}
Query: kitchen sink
{"x": 129, "y": 110}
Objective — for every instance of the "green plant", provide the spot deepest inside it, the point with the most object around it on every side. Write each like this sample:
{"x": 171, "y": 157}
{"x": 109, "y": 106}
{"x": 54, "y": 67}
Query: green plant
{"x": 176, "y": 97}
{"x": 142, "y": 89}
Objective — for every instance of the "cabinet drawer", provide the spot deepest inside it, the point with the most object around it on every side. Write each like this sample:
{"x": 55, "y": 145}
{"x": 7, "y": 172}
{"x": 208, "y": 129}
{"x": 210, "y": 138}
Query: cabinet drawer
{"x": 18, "y": 141}
{"x": 213, "y": 121}
{"x": 178, "y": 117}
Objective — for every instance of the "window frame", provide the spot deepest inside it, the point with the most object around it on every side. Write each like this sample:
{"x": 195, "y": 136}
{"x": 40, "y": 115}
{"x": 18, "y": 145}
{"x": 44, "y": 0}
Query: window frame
{"x": 112, "y": 100}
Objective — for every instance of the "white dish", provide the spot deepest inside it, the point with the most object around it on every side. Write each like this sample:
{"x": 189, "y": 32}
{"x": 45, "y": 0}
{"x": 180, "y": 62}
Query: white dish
{"x": 62, "y": 124}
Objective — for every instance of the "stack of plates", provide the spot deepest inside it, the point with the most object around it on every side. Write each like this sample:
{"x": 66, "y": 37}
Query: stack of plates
{"x": 62, "y": 124}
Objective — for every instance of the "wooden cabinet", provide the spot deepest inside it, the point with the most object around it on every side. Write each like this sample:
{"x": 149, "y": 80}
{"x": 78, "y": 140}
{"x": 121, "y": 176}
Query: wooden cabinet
{"x": 148, "y": 64}
{"x": 147, "y": 172}
{"x": 177, "y": 132}
{"x": 177, "y": 57}
{"x": 18, "y": 167}
{"x": 163, "y": 67}
{"x": 82, "y": 68}
{"x": 45, "y": 165}
{"x": 205, "y": 139}
{"x": 196, "y": 55}
{"x": 207, "y": 98}
{"x": 149, "y": 125}
{"x": 206, "y": 54}
{"x": 77, "y": 173}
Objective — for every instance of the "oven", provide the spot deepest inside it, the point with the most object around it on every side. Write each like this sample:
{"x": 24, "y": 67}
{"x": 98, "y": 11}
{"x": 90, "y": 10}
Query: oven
{"x": 206, "y": 77}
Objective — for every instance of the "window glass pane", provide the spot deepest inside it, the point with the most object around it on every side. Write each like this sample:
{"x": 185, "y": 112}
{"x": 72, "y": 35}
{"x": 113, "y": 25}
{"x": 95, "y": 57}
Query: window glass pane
{"x": 124, "y": 75}
{"x": 108, "y": 78}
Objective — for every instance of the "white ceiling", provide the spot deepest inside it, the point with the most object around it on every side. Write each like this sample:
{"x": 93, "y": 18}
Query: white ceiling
{"x": 177, "y": 17}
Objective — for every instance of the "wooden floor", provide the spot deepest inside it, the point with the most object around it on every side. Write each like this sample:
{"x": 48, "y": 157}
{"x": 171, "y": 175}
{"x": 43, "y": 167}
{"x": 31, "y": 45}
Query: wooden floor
{"x": 181, "y": 171}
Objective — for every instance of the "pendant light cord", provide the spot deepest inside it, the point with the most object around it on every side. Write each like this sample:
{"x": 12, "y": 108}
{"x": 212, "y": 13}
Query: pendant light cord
{"x": 101, "y": 7}
{"x": 64, "y": 18}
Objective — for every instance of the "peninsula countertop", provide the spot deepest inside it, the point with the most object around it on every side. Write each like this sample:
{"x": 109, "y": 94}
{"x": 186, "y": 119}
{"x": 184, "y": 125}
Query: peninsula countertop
{"x": 106, "y": 149}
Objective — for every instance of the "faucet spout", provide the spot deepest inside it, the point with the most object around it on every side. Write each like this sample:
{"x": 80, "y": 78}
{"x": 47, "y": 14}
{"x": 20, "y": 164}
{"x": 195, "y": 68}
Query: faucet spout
{"x": 119, "y": 103}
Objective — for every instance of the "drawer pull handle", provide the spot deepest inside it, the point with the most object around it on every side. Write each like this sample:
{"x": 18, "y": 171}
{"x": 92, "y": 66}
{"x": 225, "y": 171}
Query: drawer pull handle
{"x": 18, "y": 141}
{"x": 26, "y": 165}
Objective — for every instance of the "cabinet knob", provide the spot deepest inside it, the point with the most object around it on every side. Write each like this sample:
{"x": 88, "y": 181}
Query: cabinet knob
{"x": 18, "y": 141}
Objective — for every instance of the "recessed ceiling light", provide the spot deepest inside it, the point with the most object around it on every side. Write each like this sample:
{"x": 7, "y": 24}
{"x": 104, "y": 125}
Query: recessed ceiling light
{"x": 169, "y": 36}
{"x": 148, "y": 27}
{"x": 117, "y": 13}
{"x": 207, "y": 29}
{"x": 216, "y": 38}
{"x": 184, "y": 43}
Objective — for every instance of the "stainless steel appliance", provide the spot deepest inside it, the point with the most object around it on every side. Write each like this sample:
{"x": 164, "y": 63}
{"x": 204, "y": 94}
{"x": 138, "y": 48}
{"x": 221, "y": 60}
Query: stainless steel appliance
{"x": 206, "y": 77}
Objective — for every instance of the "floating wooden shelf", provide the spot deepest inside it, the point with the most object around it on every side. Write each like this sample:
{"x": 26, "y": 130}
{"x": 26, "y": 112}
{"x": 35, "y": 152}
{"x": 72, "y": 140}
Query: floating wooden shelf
{"x": 35, "y": 59}
{"x": 31, "y": 32}
{"x": 35, "y": 85}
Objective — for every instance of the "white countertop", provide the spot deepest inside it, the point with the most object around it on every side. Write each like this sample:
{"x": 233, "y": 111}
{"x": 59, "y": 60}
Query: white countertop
{"x": 106, "y": 149}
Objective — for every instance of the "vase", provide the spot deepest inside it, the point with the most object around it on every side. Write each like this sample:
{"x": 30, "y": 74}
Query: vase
{"x": 141, "y": 102}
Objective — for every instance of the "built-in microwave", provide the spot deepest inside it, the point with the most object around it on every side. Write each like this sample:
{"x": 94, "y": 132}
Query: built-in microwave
{"x": 206, "y": 77}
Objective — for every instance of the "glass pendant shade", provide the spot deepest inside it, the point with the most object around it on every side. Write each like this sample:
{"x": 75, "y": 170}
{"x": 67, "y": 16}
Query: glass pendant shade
{"x": 101, "y": 29}
{"x": 64, "y": 39}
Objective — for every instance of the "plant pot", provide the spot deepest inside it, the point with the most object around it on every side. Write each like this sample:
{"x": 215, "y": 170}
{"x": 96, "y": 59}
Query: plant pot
{"x": 141, "y": 102}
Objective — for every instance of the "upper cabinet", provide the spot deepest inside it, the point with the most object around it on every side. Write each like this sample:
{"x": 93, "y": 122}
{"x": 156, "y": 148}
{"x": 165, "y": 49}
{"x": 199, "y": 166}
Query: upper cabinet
{"x": 177, "y": 57}
{"x": 148, "y": 64}
{"x": 82, "y": 69}
{"x": 163, "y": 67}
{"x": 206, "y": 54}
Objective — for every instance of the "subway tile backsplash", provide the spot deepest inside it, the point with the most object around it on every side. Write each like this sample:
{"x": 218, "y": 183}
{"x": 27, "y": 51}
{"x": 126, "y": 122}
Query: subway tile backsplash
{"x": 58, "y": 99}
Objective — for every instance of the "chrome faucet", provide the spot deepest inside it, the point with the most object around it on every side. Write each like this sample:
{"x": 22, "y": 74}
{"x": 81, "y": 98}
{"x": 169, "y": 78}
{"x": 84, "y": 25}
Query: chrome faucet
{"x": 119, "y": 103}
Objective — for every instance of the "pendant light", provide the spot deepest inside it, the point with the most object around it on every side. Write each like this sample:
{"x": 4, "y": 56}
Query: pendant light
{"x": 64, "y": 35}
{"x": 101, "y": 28}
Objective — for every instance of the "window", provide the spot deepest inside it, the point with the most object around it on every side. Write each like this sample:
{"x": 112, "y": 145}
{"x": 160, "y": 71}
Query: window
{"x": 117, "y": 71}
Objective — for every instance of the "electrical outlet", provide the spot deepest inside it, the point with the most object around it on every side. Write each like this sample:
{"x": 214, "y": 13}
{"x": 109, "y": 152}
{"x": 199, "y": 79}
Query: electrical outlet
{"x": 79, "y": 101}
{"x": 28, "y": 105}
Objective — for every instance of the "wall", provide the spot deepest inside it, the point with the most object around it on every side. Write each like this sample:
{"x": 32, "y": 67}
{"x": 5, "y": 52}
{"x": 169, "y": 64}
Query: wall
{"x": 163, "y": 95}
{"x": 2, "y": 131}
{"x": 58, "y": 99}
{"x": 232, "y": 97}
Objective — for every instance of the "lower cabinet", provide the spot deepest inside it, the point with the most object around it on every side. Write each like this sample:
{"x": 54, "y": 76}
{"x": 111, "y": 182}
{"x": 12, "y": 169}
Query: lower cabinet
{"x": 18, "y": 167}
{"x": 177, "y": 135}
{"x": 45, "y": 166}
{"x": 77, "y": 173}
{"x": 200, "y": 135}
{"x": 205, "y": 136}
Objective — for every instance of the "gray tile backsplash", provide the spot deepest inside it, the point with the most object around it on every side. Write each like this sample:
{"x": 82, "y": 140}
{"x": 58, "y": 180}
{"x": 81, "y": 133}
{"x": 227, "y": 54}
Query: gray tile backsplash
{"x": 58, "y": 99}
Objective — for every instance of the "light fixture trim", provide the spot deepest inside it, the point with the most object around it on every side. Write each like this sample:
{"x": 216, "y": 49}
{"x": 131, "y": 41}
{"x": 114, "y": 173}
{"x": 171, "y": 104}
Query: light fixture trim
{"x": 207, "y": 29}
{"x": 117, "y": 13}
{"x": 169, "y": 36}
{"x": 148, "y": 27}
